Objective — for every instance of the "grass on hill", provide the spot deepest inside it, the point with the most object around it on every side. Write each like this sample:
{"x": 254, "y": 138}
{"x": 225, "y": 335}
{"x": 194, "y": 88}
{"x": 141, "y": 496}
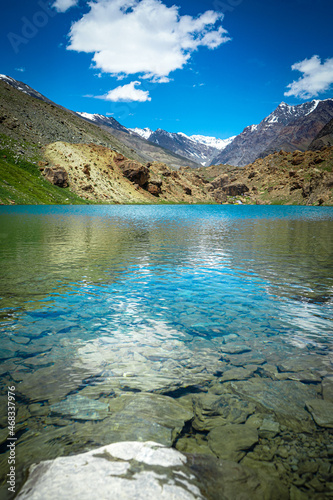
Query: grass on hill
{"x": 21, "y": 182}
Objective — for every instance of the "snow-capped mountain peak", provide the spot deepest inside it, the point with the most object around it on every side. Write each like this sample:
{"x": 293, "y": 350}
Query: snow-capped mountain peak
{"x": 288, "y": 127}
{"x": 285, "y": 113}
{"x": 213, "y": 142}
{"x": 198, "y": 148}
{"x": 142, "y": 132}
{"x": 92, "y": 117}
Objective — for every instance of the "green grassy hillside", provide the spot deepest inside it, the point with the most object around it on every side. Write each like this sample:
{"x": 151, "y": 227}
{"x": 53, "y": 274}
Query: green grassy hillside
{"x": 21, "y": 182}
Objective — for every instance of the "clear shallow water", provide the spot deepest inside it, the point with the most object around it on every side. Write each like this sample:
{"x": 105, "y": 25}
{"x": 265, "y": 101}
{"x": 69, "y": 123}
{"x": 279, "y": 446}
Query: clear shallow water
{"x": 99, "y": 302}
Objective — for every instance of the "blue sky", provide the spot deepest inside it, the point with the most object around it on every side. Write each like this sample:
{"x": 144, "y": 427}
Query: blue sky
{"x": 208, "y": 67}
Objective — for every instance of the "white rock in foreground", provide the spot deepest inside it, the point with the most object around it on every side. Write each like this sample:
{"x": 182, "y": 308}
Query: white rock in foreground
{"x": 124, "y": 471}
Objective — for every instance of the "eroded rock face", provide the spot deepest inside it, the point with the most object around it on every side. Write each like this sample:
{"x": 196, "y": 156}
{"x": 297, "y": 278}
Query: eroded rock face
{"x": 220, "y": 181}
{"x": 135, "y": 172}
{"x": 57, "y": 176}
{"x": 154, "y": 186}
{"x": 235, "y": 189}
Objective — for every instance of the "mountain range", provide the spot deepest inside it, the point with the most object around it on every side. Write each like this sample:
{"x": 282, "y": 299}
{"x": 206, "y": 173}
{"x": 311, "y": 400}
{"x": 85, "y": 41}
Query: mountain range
{"x": 198, "y": 148}
{"x": 195, "y": 150}
{"x": 287, "y": 128}
{"x": 49, "y": 154}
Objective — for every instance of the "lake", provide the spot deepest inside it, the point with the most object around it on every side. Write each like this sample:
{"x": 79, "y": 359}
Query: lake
{"x": 185, "y": 325}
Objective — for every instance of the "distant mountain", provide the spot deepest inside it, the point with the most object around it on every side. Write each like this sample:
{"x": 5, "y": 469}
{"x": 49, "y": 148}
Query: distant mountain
{"x": 142, "y": 132}
{"x": 49, "y": 125}
{"x": 198, "y": 148}
{"x": 288, "y": 128}
{"x": 150, "y": 150}
{"x": 107, "y": 121}
{"x": 211, "y": 141}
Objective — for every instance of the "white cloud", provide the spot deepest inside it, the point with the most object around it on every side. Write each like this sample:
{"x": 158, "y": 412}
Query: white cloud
{"x": 143, "y": 37}
{"x": 22, "y": 70}
{"x": 126, "y": 93}
{"x": 317, "y": 77}
{"x": 63, "y": 5}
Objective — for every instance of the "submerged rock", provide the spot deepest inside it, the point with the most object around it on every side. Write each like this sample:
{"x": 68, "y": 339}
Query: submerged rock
{"x": 327, "y": 388}
{"x": 143, "y": 417}
{"x": 238, "y": 373}
{"x": 269, "y": 428}
{"x": 153, "y": 365}
{"x": 136, "y": 417}
{"x": 225, "y": 480}
{"x": 147, "y": 471}
{"x": 212, "y": 411}
{"x": 321, "y": 411}
{"x": 285, "y": 398}
{"x": 127, "y": 470}
{"x": 51, "y": 383}
{"x": 80, "y": 408}
{"x": 230, "y": 442}
{"x": 234, "y": 348}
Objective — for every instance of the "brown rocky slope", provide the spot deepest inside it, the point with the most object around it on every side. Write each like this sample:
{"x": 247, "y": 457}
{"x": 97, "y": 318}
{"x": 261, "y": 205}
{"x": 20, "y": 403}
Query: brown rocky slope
{"x": 298, "y": 178}
{"x": 99, "y": 174}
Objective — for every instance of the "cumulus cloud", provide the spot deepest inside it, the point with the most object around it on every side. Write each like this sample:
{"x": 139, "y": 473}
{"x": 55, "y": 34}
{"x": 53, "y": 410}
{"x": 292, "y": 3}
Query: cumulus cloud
{"x": 63, "y": 5}
{"x": 317, "y": 77}
{"x": 143, "y": 37}
{"x": 126, "y": 93}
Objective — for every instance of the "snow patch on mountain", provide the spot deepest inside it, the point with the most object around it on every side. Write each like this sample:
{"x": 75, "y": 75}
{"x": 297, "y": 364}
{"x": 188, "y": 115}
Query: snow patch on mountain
{"x": 23, "y": 87}
{"x": 5, "y": 77}
{"x": 213, "y": 142}
{"x": 285, "y": 113}
{"x": 142, "y": 132}
{"x": 209, "y": 141}
{"x": 89, "y": 116}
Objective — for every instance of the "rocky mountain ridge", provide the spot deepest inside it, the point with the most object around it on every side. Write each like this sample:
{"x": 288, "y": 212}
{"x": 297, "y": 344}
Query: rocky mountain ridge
{"x": 198, "y": 148}
{"x": 288, "y": 128}
{"x": 148, "y": 149}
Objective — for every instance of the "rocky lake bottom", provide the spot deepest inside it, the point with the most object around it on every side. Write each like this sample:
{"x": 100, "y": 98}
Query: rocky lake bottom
{"x": 200, "y": 337}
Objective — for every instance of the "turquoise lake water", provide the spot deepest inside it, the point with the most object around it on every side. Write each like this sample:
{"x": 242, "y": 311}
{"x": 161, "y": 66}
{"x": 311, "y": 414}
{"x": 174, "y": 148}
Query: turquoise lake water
{"x": 98, "y": 302}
